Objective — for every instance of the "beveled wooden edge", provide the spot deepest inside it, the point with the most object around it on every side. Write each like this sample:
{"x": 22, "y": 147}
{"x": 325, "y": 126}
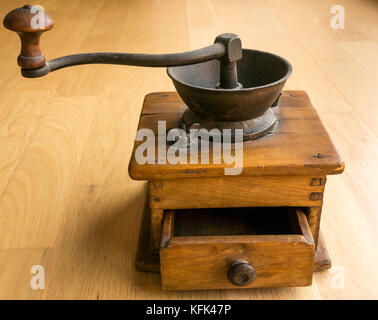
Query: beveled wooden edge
{"x": 178, "y": 241}
{"x": 209, "y": 171}
{"x": 166, "y": 172}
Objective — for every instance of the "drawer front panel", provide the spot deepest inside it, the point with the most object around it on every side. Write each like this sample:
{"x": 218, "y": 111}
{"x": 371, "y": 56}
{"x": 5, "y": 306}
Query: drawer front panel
{"x": 203, "y": 262}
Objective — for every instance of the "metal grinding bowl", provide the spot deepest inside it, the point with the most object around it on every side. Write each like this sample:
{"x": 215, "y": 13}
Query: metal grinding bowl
{"x": 261, "y": 74}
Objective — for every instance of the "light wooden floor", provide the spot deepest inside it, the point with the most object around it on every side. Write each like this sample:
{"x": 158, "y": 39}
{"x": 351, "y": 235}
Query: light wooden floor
{"x": 66, "y": 200}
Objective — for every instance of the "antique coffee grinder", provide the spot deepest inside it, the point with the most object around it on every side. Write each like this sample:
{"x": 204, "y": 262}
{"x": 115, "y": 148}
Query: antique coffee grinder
{"x": 203, "y": 229}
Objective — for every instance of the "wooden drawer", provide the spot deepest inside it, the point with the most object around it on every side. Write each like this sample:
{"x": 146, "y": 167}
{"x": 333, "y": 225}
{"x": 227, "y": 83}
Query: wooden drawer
{"x": 236, "y": 248}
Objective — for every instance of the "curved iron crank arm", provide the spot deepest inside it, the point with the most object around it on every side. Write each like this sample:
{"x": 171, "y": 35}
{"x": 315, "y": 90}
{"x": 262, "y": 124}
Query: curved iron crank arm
{"x": 227, "y": 48}
{"x": 216, "y": 51}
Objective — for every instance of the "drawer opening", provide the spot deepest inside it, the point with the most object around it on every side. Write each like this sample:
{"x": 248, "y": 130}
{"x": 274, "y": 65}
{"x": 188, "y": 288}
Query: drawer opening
{"x": 236, "y": 221}
{"x": 200, "y": 247}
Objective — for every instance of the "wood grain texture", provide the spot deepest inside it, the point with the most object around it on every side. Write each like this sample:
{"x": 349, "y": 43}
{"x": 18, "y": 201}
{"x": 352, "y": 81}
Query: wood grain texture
{"x": 234, "y": 192}
{"x": 298, "y": 124}
{"x": 322, "y": 259}
{"x": 314, "y": 216}
{"x": 193, "y": 186}
{"x": 83, "y": 207}
{"x": 264, "y": 191}
{"x": 202, "y": 262}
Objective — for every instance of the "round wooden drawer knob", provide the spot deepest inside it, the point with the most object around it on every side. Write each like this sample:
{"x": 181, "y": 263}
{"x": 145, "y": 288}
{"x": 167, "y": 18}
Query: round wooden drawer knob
{"x": 241, "y": 273}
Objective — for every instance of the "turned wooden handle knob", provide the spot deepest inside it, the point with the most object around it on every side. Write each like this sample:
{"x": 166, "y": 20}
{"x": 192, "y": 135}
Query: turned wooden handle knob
{"x": 241, "y": 273}
{"x": 29, "y": 22}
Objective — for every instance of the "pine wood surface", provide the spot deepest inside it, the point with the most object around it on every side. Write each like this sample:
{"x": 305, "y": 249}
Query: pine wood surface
{"x": 202, "y": 262}
{"x": 66, "y": 200}
{"x": 307, "y": 149}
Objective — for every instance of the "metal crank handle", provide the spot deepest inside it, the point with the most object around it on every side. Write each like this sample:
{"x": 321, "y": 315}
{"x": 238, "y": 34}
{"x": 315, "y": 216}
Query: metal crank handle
{"x": 226, "y": 48}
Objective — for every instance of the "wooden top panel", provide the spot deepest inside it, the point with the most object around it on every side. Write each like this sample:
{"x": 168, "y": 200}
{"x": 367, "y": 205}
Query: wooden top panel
{"x": 298, "y": 145}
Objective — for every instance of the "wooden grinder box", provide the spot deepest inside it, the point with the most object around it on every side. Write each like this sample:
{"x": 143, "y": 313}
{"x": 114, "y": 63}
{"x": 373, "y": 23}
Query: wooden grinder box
{"x": 205, "y": 230}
